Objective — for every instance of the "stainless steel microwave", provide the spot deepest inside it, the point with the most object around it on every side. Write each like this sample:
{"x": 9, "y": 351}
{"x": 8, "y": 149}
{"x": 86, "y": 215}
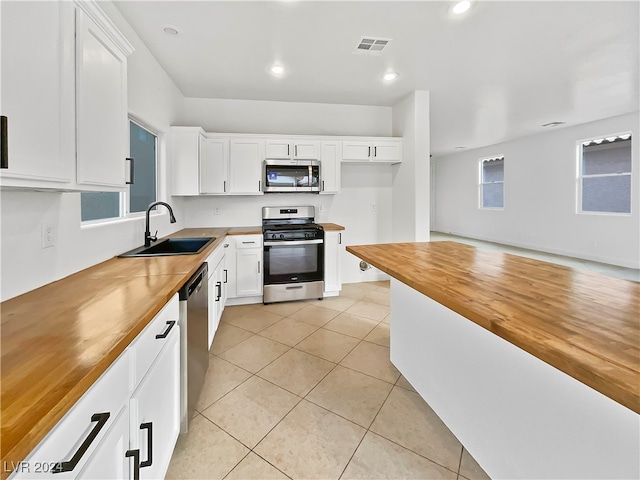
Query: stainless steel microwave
{"x": 291, "y": 176}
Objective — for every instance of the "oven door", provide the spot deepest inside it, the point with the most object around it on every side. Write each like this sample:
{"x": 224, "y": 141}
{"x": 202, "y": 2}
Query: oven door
{"x": 293, "y": 261}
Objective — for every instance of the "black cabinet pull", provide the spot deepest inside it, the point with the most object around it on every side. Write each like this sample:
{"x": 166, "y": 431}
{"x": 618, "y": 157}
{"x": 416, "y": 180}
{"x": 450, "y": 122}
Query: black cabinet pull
{"x": 164, "y": 334}
{"x": 339, "y": 238}
{"x": 259, "y": 185}
{"x": 224, "y": 186}
{"x": 219, "y": 293}
{"x": 323, "y": 185}
{"x": 295, "y": 151}
{"x": 149, "y": 428}
{"x": 132, "y": 169}
{"x": 288, "y": 149}
{"x": 4, "y": 142}
{"x": 136, "y": 462}
{"x": 226, "y": 275}
{"x": 101, "y": 418}
{"x": 369, "y": 153}
{"x": 375, "y": 151}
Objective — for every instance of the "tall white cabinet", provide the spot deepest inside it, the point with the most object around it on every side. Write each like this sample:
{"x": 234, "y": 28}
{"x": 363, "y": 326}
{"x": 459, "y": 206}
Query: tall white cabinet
{"x": 101, "y": 92}
{"x": 64, "y": 93}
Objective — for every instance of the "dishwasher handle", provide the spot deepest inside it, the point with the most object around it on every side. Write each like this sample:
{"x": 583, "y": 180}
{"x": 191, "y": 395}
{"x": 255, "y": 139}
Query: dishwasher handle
{"x": 194, "y": 284}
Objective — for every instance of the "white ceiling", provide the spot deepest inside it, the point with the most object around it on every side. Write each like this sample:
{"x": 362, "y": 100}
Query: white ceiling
{"x": 495, "y": 74}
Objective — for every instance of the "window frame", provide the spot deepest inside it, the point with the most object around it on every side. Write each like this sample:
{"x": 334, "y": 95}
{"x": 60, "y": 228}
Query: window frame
{"x": 482, "y": 183}
{"x": 580, "y": 176}
{"x": 124, "y": 213}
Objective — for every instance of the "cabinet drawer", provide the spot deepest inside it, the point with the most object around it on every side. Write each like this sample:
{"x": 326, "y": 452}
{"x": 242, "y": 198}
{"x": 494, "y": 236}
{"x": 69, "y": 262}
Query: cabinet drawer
{"x": 249, "y": 241}
{"x": 146, "y": 346}
{"x": 83, "y": 428}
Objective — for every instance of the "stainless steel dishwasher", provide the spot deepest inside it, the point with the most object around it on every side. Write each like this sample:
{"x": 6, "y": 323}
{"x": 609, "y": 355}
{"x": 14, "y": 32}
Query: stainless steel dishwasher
{"x": 194, "y": 348}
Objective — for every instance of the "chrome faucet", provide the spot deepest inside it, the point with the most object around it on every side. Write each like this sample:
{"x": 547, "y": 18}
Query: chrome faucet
{"x": 148, "y": 238}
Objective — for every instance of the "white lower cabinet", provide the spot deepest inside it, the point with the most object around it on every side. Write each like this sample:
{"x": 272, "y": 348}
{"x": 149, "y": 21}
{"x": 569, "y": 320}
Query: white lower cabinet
{"x": 218, "y": 281}
{"x": 333, "y": 251}
{"x": 108, "y": 462}
{"x": 112, "y": 433}
{"x": 248, "y": 265}
{"x": 155, "y": 411}
{"x": 244, "y": 267}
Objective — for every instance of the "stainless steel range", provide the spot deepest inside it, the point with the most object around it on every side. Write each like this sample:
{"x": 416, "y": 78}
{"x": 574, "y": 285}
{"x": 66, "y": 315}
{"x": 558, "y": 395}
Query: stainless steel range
{"x": 293, "y": 254}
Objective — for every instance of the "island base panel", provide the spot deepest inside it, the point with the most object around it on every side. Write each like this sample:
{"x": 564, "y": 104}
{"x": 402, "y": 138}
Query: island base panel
{"x": 518, "y": 416}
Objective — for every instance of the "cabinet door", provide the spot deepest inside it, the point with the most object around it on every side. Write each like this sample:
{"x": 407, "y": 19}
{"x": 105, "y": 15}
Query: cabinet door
{"x": 155, "y": 411}
{"x": 387, "y": 151}
{"x": 279, "y": 149}
{"x": 187, "y": 145}
{"x": 216, "y": 305}
{"x": 214, "y": 163}
{"x": 330, "y": 167}
{"x": 230, "y": 267}
{"x": 306, "y": 150}
{"x": 356, "y": 151}
{"x": 101, "y": 99}
{"x": 109, "y": 461}
{"x": 245, "y": 166}
{"x": 333, "y": 248}
{"x": 249, "y": 272}
{"x": 37, "y": 93}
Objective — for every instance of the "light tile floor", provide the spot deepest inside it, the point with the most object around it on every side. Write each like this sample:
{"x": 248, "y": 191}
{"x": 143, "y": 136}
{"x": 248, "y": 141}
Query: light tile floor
{"x": 305, "y": 390}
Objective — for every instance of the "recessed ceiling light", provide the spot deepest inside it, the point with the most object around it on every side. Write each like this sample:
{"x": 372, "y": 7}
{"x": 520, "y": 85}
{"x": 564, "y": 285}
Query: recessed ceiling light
{"x": 277, "y": 69}
{"x": 390, "y": 76}
{"x": 460, "y": 7}
{"x": 170, "y": 29}
{"x": 553, "y": 124}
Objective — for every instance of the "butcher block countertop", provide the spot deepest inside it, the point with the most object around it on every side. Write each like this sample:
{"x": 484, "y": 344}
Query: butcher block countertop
{"x": 58, "y": 339}
{"x": 584, "y": 324}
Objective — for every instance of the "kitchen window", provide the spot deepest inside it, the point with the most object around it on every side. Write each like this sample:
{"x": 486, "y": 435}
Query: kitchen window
{"x": 492, "y": 182}
{"x": 143, "y": 146}
{"x": 604, "y": 175}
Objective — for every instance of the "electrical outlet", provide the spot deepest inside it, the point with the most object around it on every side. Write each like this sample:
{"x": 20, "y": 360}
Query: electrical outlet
{"x": 48, "y": 235}
{"x": 217, "y": 211}
{"x": 373, "y": 207}
{"x": 321, "y": 208}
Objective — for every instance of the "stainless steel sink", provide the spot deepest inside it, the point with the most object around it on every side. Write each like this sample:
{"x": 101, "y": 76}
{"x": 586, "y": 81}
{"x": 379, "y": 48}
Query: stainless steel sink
{"x": 171, "y": 246}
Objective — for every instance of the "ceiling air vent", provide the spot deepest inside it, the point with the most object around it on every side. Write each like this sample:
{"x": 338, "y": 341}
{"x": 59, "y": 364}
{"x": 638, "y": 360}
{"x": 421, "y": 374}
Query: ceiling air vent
{"x": 371, "y": 45}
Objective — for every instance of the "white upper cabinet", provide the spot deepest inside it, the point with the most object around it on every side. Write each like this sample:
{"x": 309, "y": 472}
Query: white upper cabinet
{"x": 245, "y": 166}
{"x": 37, "y": 95}
{"x": 381, "y": 151}
{"x": 101, "y": 96}
{"x": 284, "y": 148}
{"x": 214, "y": 166}
{"x": 187, "y": 145}
{"x": 331, "y": 155}
{"x": 64, "y": 78}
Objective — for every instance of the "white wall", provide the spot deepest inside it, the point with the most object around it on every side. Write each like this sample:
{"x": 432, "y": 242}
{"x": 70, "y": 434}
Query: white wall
{"x": 540, "y": 197}
{"x": 362, "y": 186}
{"x": 154, "y": 100}
{"x": 411, "y": 182}
{"x": 253, "y": 116}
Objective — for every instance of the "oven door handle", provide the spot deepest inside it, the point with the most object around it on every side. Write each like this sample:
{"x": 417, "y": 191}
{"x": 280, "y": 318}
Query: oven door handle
{"x": 283, "y": 243}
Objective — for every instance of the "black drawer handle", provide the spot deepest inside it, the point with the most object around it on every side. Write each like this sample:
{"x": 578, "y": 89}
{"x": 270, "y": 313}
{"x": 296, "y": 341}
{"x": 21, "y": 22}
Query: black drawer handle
{"x": 219, "y": 291}
{"x": 164, "y": 334}
{"x": 101, "y": 418}
{"x": 132, "y": 169}
{"x": 149, "y": 428}
{"x": 136, "y": 462}
{"x": 4, "y": 141}
{"x": 226, "y": 275}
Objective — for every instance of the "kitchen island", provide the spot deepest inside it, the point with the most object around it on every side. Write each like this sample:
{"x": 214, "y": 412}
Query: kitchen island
{"x": 535, "y": 367}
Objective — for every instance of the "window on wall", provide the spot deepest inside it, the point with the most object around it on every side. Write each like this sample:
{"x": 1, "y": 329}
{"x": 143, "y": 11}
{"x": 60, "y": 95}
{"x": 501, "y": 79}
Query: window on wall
{"x": 492, "y": 182}
{"x": 107, "y": 205}
{"x": 604, "y": 175}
